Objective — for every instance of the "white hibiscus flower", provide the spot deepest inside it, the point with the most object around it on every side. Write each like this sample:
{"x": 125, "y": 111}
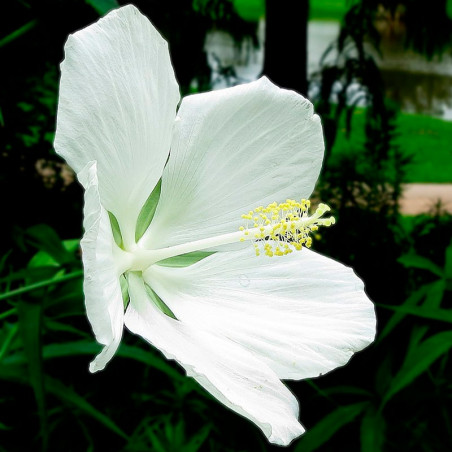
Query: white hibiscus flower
{"x": 237, "y": 320}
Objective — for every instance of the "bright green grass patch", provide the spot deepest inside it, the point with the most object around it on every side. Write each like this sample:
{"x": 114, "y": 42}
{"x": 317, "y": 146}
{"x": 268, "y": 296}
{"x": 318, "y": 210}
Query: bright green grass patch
{"x": 427, "y": 139}
{"x": 327, "y": 9}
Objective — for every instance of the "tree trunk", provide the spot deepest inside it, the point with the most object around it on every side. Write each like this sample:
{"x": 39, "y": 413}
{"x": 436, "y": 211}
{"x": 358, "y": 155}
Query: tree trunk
{"x": 286, "y": 43}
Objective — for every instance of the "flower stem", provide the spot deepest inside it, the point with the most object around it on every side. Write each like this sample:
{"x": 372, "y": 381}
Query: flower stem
{"x": 40, "y": 284}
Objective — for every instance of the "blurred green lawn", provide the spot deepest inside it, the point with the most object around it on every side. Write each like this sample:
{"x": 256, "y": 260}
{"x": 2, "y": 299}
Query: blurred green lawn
{"x": 427, "y": 139}
{"x": 327, "y": 9}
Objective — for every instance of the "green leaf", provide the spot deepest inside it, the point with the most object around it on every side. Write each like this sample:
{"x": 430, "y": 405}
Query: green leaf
{"x": 197, "y": 440}
{"x": 7, "y": 338}
{"x": 116, "y": 229}
{"x": 435, "y": 295}
{"x": 30, "y": 321}
{"x": 418, "y": 360}
{"x": 57, "y": 388}
{"x": 33, "y": 273}
{"x": 383, "y": 374}
{"x": 46, "y": 239}
{"x": 71, "y": 245}
{"x": 184, "y": 260}
{"x": 15, "y": 373}
{"x": 138, "y": 354}
{"x": 344, "y": 389}
{"x": 417, "y": 334}
{"x": 18, "y": 32}
{"x": 53, "y": 325}
{"x": 159, "y": 303}
{"x": 3, "y": 260}
{"x": 44, "y": 259}
{"x": 328, "y": 426}
{"x": 448, "y": 260}
{"x": 320, "y": 391}
{"x": 444, "y": 315}
{"x": 103, "y": 6}
{"x": 49, "y": 282}
{"x": 165, "y": 436}
{"x": 157, "y": 444}
{"x": 373, "y": 428}
{"x": 415, "y": 261}
{"x": 67, "y": 349}
{"x": 398, "y": 316}
{"x": 66, "y": 299}
{"x": 68, "y": 395}
{"x": 6, "y": 314}
{"x": 147, "y": 211}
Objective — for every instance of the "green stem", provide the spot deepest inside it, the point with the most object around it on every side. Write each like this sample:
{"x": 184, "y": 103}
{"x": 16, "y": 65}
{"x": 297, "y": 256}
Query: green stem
{"x": 18, "y": 33}
{"x": 40, "y": 284}
{"x": 5, "y": 314}
{"x": 8, "y": 339}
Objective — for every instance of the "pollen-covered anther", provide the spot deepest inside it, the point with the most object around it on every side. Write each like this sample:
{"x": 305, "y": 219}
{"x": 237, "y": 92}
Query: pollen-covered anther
{"x": 279, "y": 229}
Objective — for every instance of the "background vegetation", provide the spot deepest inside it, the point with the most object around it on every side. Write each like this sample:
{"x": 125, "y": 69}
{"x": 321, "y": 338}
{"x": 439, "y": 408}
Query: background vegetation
{"x": 393, "y": 396}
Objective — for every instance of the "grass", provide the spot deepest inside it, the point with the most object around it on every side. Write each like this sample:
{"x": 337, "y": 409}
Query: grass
{"x": 427, "y": 139}
{"x": 327, "y": 9}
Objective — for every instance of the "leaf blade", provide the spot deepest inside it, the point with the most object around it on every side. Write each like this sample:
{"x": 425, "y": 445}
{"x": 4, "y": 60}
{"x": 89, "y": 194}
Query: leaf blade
{"x": 418, "y": 361}
{"x": 103, "y": 6}
{"x": 398, "y": 316}
{"x": 328, "y": 426}
{"x": 415, "y": 261}
{"x": 30, "y": 323}
{"x": 46, "y": 239}
{"x": 444, "y": 315}
{"x": 373, "y": 427}
{"x": 57, "y": 388}
{"x": 66, "y": 349}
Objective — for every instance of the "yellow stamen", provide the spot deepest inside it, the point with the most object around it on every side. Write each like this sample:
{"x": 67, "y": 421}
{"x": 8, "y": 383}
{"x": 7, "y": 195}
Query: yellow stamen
{"x": 279, "y": 229}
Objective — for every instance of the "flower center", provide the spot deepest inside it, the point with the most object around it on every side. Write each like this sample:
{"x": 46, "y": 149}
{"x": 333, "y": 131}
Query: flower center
{"x": 280, "y": 229}
{"x": 277, "y": 229}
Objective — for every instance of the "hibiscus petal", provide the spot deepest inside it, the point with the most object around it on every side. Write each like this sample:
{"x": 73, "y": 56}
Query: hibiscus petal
{"x": 302, "y": 314}
{"x": 229, "y": 372}
{"x": 118, "y": 98}
{"x": 235, "y": 149}
{"x": 103, "y": 298}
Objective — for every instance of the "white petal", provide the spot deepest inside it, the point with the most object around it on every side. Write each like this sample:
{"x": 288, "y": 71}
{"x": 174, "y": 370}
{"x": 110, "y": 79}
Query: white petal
{"x": 103, "y": 298}
{"x": 303, "y": 314}
{"x": 117, "y": 105}
{"x": 232, "y": 151}
{"x": 229, "y": 372}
